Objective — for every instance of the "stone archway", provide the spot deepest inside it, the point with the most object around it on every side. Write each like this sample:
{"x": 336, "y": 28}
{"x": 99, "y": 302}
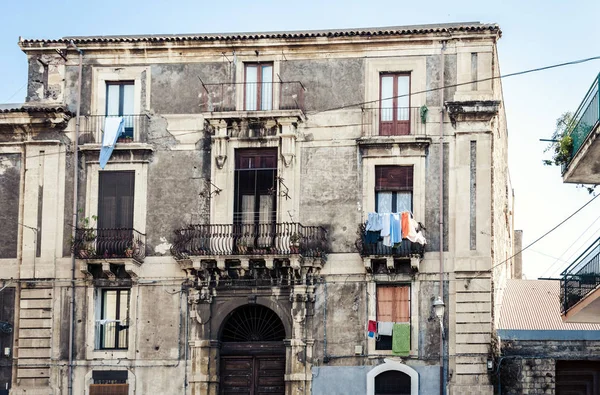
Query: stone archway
{"x": 404, "y": 378}
{"x": 252, "y": 356}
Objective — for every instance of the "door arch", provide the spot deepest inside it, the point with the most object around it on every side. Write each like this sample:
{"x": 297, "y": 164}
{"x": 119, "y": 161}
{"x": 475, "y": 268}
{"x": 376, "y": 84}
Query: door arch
{"x": 392, "y": 375}
{"x": 252, "y": 352}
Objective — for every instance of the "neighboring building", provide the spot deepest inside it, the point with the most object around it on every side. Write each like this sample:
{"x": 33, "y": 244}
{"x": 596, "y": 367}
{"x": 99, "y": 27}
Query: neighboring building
{"x": 222, "y": 248}
{"x": 541, "y": 354}
{"x": 579, "y": 286}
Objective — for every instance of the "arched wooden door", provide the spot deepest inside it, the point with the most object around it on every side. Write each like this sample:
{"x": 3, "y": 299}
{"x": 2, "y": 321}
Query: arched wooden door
{"x": 252, "y": 352}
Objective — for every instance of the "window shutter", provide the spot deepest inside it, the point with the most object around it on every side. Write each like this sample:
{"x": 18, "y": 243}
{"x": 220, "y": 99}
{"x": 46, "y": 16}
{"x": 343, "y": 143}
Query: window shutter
{"x": 393, "y": 303}
{"x": 115, "y": 203}
{"x": 393, "y": 178}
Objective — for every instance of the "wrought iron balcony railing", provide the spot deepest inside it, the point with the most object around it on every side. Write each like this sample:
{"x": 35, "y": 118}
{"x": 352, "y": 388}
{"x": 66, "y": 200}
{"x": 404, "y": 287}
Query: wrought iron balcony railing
{"x": 91, "y": 130}
{"x": 111, "y": 335}
{"x": 581, "y": 277}
{"x": 222, "y": 97}
{"x": 397, "y": 121}
{"x": 586, "y": 117}
{"x": 250, "y": 239}
{"x": 93, "y": 243}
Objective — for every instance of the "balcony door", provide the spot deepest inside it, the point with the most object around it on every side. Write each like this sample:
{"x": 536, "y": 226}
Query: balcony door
{"x": 255, "y": 197}
{"x": 395, "y": 105}
{"x": 258, "y": 87}
{"x": 119, "y": 103}
{"x": 115, "y": 212}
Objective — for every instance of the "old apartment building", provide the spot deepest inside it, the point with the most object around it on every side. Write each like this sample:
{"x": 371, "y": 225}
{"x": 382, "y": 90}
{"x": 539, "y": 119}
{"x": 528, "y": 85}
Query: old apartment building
{"x": 254, "y": 220}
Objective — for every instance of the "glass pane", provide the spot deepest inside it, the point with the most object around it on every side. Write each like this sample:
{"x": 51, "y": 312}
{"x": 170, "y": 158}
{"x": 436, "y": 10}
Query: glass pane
{"x": 403, "y": 99}
{"x": 384, "y": 202}
{"x": 124, "y": 305}
{"x": 403, "y": 201}
{"x": 112, "y": 99}
{"x": 267, "y": 88}
{"x": 387, "y": 101}
{"x": 109, "y": 305}
{"x": 251, "y": 82}
{"x": 128, "y": 99}
{"x": 247, "y": 209}
{"x": 266, "y": 209}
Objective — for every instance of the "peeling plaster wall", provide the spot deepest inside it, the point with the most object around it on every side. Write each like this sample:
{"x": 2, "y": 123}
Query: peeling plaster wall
{"x": 329, "y": 82}
{"x": 10, "y": 190}
{"x": 330, "y": 192}
{"x": 176, "y": 87}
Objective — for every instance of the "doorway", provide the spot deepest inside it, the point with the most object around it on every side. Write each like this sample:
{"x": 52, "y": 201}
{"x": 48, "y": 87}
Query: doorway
{"x": 252, "y": 352}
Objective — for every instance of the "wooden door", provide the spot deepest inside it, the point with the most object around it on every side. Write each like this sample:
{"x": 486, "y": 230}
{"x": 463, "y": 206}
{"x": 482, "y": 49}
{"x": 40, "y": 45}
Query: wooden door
{"x": 253, "y": 375}
{"x": 109, "y": 389}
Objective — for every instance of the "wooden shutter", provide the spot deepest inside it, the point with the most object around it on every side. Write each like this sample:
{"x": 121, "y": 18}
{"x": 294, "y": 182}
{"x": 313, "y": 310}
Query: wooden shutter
{"x": 393, "y": 303}
{"x": 393, "y": 178}
{"x": 115, "y": 203}
{"x": 109, "y": 389}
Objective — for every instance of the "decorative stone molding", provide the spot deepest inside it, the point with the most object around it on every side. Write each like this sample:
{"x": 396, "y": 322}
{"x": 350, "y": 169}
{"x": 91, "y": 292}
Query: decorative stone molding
{"x": 473, "y": 110}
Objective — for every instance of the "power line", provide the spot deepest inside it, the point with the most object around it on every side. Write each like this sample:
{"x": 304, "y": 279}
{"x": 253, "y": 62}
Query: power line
{"x": 536, "y": 240}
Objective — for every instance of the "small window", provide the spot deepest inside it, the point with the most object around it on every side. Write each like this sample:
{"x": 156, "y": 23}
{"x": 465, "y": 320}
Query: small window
{"x": 119, "y": 103}
{"x": 258, "y": 87}
{"x": 394, "y": 104}
{"x": 112, "y": 325}
{"x": 393, "y": 189}
{"x": 393, "y": 305}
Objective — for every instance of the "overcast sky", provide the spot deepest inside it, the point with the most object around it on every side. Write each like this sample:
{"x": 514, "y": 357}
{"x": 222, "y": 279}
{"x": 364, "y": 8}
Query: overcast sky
{"x": 535, "y": 33}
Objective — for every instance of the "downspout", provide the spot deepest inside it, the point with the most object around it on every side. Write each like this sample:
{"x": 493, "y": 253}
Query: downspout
{"x": 74, "y": 225}
{"x": 441, "y": 221}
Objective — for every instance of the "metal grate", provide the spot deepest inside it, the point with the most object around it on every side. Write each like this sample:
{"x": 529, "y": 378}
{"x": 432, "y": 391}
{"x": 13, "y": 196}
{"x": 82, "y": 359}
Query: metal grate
{"x": 253, "y": 323}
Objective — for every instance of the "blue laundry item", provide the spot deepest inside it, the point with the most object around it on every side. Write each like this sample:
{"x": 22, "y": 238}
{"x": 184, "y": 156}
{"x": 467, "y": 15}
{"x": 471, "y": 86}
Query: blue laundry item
{"x": 395, "y": 229}
{"x": 371, "y": 334}
{"x": 374, "y": 222}
{"x": 113, "y": 127}
{"x": 371, "y": 237}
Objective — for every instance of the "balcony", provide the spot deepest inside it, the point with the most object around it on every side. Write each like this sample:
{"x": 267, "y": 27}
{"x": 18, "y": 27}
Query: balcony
{"x": 399, "y": 121}
{"x": 579, "y": 292}
{"x": 223, "y": 97}
{"x": 250, "y": 241}
{"x": 109, "y": 244}
{"x": 91, "y": 130}
{"x": 111, "y": 335}
{"x": 584, "y": 129}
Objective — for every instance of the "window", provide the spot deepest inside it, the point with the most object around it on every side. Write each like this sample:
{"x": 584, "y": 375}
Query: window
{"x": 119, "y": 103}
{"x": 255, "y": 192}
{"x": 112, "y": 325}
{"x": 393, "y": 305}
{"x": 395, "y": 104}
{"x": 258, "y": 87}
{"x": 393, "y": 189}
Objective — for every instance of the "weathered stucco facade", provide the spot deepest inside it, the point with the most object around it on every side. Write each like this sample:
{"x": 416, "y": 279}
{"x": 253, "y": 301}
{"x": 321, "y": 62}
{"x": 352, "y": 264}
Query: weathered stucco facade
{"x": 187, "y": 265}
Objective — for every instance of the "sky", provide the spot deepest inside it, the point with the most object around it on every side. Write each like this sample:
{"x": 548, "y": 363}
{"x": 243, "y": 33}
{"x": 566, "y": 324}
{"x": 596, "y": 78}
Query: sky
{"x": 535, "y": 34}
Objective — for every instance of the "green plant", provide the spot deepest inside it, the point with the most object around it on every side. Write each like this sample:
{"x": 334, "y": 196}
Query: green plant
{"x": 423, "y": 113}
{"x": 561, "y": 142}
{"x": 295, "y": 238}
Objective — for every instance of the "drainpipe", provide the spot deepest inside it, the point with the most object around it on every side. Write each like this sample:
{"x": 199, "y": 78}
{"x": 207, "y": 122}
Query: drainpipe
{"x": 441, "y": 210}
{"x": 73, "y": 232}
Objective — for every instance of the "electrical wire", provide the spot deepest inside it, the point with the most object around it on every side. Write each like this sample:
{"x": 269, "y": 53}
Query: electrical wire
{"x": 536, "y": 240}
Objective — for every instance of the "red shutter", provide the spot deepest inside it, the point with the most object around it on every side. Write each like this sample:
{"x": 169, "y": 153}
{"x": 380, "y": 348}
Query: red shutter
{"x": 393, "y": 178}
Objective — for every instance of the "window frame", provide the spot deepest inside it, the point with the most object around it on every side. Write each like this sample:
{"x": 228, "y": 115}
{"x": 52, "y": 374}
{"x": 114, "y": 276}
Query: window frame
{"x": 380, "y": 346}
{"x": 259, "y": 85}
{"x": 129, "y": 119}
{"x": 100, "y": 332}
{"x": 394, "y": 190}
{"x": 395, "y": 127}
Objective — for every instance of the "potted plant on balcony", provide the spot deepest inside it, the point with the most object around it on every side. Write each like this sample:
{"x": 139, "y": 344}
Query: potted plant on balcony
{"x": 242, "y": 246}
{"x": 295, "y": 243}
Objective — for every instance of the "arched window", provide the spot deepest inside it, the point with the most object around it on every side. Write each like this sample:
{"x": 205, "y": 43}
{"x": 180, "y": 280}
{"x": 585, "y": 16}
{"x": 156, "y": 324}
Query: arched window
{"x": 253, "y": 323}
{"x": 392, "y": 378}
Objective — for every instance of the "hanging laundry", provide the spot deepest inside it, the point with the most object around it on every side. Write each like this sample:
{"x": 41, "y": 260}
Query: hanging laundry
{"x": 113, "y": 127}
{"x": 384, "y": 328}
{"x": 405, "y": 224}
{"x": 372, "y": 237}
{"x": 401, "y": 339}
{"x": 372, "y": 327}
{"x": 396, "y": 229}
{"x": 374, "y": 222}
{"x": 385, "y": 229}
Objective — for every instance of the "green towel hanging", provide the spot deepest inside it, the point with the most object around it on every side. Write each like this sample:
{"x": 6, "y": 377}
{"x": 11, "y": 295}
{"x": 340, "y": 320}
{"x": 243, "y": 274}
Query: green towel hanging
{"x": 401, "y": 339}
